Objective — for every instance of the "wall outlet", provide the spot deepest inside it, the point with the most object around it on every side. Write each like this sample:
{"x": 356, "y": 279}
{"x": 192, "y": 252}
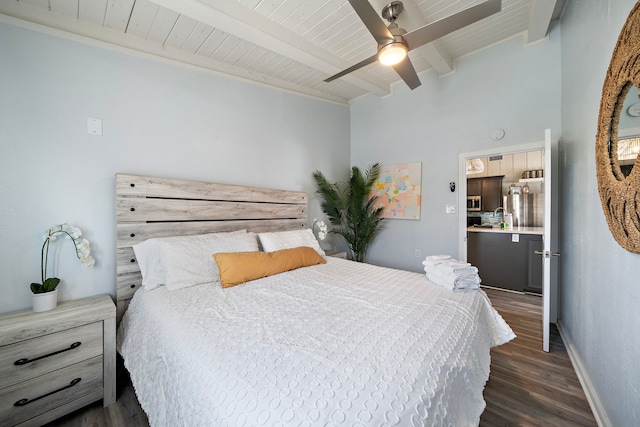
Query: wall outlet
{"x": 450, "y": 209}
{"x": 417, "y": 253}
{"x": 515, "y": 238}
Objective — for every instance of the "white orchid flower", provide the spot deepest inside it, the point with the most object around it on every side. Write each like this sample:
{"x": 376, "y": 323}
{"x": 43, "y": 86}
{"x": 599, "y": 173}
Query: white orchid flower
{"x": 322, "y": 228}
{"x": 83, "y": 253}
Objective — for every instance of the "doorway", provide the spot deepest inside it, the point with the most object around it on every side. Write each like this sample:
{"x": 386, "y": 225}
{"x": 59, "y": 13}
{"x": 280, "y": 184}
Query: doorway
{"x": 462, "y": 179}
{"x": 550, "y": 229}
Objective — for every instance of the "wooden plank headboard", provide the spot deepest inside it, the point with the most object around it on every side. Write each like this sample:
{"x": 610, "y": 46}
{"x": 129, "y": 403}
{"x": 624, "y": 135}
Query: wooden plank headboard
{"x": 149, "y": 207}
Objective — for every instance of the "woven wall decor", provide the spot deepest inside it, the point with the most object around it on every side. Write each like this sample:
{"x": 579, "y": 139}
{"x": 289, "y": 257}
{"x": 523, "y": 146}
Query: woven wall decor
{"x": 620, "y": 195}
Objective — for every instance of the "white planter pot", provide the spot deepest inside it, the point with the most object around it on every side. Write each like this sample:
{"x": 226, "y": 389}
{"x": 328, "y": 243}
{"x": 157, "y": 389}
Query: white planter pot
{"x": 45, "y": 302}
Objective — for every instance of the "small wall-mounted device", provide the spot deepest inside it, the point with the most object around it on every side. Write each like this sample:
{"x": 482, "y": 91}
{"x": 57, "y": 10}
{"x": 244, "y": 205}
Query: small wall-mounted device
{"x": 452, "y": 186}
{"x": 497, "y": 134}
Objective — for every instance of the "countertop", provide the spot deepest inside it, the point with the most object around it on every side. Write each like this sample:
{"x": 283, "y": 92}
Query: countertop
{"x": 514, "y": 230}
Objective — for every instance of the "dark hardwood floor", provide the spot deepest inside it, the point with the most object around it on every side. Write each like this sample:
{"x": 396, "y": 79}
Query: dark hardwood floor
{"x": 527, "y": 387}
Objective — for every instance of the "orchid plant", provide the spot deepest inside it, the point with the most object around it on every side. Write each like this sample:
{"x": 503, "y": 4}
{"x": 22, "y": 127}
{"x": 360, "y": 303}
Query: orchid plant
{"x": 83, "y": 252}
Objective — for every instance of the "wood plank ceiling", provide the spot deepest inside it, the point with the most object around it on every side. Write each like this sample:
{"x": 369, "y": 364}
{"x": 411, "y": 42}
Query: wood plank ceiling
{"x": 289, "y": 44}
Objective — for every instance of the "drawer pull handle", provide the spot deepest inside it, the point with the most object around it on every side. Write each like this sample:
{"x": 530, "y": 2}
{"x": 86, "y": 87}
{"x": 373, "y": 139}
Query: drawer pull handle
{"x": 23, "y": 402}
{"x": 21, "y": 362}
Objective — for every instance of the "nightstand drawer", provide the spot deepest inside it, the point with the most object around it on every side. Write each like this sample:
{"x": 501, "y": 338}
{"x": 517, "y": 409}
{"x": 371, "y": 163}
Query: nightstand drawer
{"x": 41, "y": 394}
{"x": 48, "y": 353}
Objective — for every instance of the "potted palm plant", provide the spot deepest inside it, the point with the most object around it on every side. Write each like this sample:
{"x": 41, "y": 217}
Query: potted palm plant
{"x": 351, "y": 209}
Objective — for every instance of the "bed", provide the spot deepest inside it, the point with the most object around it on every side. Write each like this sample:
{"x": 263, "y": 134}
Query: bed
{"x": 331, "y": 343}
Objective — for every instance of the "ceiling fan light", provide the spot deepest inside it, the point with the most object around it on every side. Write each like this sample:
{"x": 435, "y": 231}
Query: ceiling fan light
{"x": 392, "y": 53}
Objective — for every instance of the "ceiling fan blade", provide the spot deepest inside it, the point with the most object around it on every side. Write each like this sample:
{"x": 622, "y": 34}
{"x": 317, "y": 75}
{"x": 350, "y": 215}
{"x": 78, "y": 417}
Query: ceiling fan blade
{"x": 442, "y": 27}
{"x": 372, "y": 20}
{"x": 408, "y": 73}
{"x": 351, "y": 69}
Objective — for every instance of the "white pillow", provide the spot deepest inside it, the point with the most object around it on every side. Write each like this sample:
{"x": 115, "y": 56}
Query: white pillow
{"x": 149, "y": 263}
{"x": 289, "y": 239}
{"x": 182, "y": 261}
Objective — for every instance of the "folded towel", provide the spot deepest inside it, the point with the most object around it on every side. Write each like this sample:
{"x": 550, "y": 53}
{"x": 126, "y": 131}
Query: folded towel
{"x": 450, "y": 273}
{"x": 444, "y": 284}
{"x": 437, "y": 262}
{"x": 434, "y": 257}
{"x": 450, "y": 267}
{"x": 460, "y": 270}
{"x": 454, "y": 271}
{"x": 468, "y": 284}
{"x": 455, "y": 282}
{"x": 455, "y": 279}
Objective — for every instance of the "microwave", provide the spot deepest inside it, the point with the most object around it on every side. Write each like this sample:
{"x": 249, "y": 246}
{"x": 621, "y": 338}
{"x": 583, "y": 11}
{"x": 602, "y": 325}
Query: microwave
{"x": 474, "y": 203}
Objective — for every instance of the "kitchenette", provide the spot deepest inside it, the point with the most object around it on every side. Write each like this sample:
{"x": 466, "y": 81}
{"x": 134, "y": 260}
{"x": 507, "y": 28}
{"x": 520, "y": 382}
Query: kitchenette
{"x": 505, "y": 220}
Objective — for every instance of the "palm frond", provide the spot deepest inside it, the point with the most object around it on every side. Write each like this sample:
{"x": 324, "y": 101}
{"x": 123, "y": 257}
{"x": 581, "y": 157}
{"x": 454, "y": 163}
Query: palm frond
{"x": 333, "y": 198}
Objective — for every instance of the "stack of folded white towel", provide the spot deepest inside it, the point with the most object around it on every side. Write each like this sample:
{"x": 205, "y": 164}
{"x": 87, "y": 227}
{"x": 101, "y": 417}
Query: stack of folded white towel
{"x": 451, "y": 273}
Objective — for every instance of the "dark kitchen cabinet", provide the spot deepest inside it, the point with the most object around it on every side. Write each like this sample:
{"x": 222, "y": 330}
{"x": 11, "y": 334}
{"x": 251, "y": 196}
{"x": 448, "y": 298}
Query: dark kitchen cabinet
{"x": 474, "y": 187}
{"x": 491, "y": 193}
{"x": 503, "y": 263}
{"x": 490, "y": 188}
{"x": 534, "y": 283}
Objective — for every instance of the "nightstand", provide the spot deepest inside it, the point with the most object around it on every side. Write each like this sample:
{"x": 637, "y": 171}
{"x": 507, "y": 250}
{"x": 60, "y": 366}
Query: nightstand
{"x": 336, "y": 254}
{"x": 57, "y": 361}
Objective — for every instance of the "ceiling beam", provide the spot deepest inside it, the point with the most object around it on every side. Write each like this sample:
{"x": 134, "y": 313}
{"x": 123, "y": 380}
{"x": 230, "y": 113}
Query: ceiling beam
{"x": 540, "y": 18}
{"x": 436, "y": 55}
{"x": 235, "y": 18}
{"x": 39, "y": 19}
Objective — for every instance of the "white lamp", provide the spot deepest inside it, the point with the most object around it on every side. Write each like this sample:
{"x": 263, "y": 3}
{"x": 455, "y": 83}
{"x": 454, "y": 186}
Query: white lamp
{"x": 474, "y": 166}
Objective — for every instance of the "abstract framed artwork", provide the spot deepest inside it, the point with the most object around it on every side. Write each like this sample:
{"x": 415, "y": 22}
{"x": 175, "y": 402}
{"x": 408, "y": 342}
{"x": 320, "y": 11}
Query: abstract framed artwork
{"x": 399, "y": 190}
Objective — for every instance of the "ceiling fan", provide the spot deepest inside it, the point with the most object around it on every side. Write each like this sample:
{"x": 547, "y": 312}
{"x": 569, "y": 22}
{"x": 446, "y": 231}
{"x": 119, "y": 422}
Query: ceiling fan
{"x": 394, "y": 42}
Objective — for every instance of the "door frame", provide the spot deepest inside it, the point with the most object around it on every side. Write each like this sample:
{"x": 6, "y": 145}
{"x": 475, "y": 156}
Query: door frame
{"x": 462, "y": 184}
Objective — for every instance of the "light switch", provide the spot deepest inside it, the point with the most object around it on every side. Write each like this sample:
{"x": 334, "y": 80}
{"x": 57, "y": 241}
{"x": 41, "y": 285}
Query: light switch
{"x": 450, "y": 209}
{"x": 94, "y": 126}
{"x": 515, "y": 238}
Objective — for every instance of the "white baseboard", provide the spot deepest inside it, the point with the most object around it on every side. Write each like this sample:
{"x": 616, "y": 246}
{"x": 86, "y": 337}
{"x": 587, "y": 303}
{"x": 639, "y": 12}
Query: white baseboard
{"x": 592, "y": 397}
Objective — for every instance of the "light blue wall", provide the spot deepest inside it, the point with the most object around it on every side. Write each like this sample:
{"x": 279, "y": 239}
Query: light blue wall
{"x": 159, "y": 119}
{"x": 599, "y": 293}
{"x": 505, "y": 86}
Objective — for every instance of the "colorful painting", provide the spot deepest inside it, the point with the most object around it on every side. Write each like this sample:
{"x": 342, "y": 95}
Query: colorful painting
{"x": 399, "y": 189}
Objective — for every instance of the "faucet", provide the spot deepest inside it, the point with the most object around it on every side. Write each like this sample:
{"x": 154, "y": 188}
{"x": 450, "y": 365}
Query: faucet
{"x": 497, "y": 209}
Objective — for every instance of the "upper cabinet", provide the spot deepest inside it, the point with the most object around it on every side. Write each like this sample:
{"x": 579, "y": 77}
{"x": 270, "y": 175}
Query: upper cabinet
{"x": 511, "y": 166}
{"x": 490, "y": 188}
{"x": 491, "y": 193}
{"x": 474, "y": 187}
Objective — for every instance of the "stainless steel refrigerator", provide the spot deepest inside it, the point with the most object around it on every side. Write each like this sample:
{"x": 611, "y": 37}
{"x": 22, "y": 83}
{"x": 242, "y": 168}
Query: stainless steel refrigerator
{"x": 527, "y": 209}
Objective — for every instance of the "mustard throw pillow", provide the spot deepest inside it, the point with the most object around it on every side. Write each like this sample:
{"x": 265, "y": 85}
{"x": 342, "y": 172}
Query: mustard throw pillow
{"x": 240, "y": 267}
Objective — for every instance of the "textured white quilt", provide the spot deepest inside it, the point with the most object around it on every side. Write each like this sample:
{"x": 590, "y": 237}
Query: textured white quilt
{"x": 338, "y": 344}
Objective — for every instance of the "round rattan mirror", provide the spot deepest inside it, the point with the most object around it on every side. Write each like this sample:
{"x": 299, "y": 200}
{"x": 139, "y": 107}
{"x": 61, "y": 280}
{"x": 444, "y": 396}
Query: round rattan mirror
{"x": 620, "y": 188}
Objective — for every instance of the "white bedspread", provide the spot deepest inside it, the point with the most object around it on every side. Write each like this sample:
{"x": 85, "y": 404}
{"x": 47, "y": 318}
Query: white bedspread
{"x": 339, "y": 344}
